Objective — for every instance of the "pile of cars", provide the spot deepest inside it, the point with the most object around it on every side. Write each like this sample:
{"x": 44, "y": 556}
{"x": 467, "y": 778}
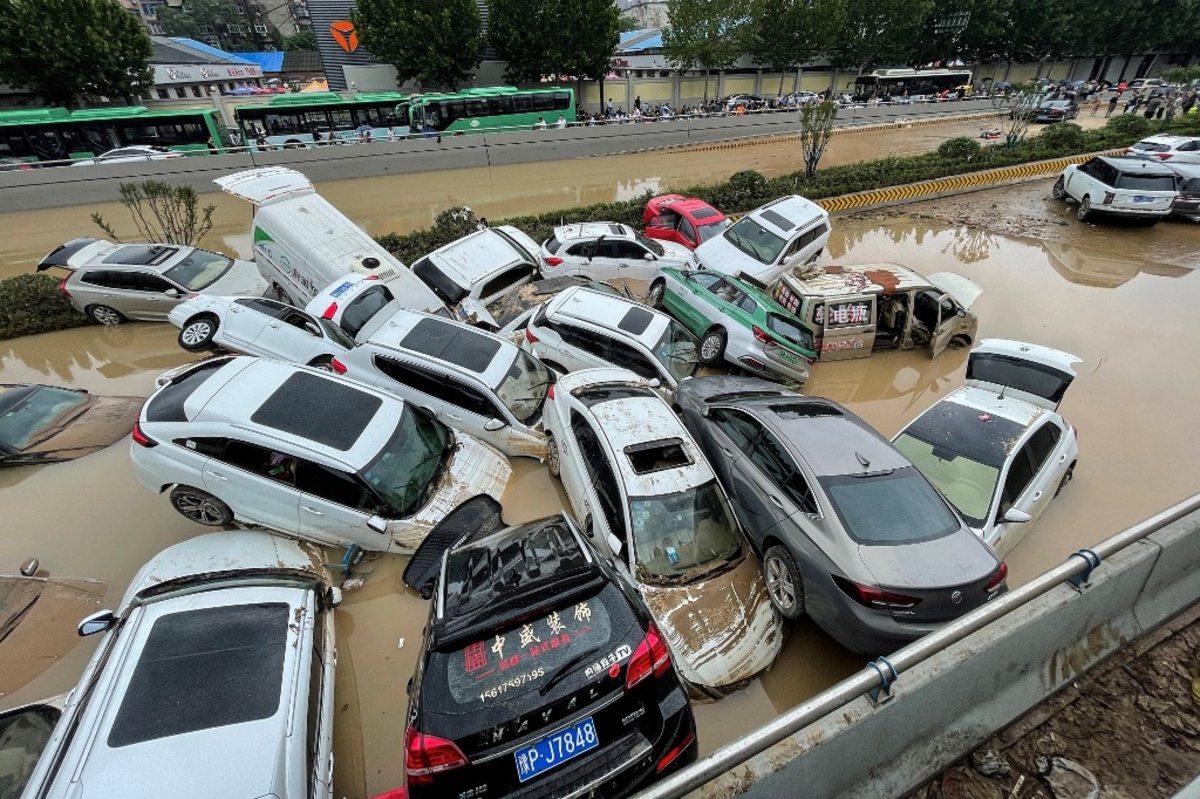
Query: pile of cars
{"x": 376, "y": 409}
{"x": 1157, "y": 177}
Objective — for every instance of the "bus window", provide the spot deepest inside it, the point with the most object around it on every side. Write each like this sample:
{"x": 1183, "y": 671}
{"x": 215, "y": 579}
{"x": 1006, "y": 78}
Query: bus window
{"x": 134, "y": 133}
{"x": 451, "y": 110}
{"x": 97, "y": 139}
{"x": 562, "y": 101}
{"x": 46, "y": 145}
{"x": 543, "y": 102}
{"x": 499, "y": 106}
{"x": 476, "y": 107}
{"x": 523, "y": 103}
{"x": 315, "y": 120}
{"x": 342, "y": 119}
{"x": 281, "y": 124}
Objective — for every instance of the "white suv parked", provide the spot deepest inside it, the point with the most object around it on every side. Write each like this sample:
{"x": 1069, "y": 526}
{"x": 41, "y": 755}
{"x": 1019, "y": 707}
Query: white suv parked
{"x": 215, "y": 679}
{"x": 469, "y": 379}
{"x": 306, "y": 453}
{"x": 1120, "y": 186}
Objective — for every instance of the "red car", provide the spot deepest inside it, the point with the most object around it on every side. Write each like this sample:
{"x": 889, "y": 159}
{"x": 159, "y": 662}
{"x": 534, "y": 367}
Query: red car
{"x": 685, "y": 220}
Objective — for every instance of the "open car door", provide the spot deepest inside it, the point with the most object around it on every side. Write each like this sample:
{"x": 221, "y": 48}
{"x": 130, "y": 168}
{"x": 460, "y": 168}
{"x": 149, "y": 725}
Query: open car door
{"x": 1036, "y": 374}
{"x": 954, "y": 303}
{"x": 477, "y": 516}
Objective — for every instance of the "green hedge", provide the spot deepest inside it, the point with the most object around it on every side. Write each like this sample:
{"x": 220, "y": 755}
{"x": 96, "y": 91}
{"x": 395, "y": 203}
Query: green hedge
{"x": 746, "y": 191}
{"x": 33, "y": 304}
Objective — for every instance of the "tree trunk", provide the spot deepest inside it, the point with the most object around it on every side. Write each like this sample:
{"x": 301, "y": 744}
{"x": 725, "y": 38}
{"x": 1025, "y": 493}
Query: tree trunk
{"x": 602, "y": 106}
{"x": 780, "y": 92}
{"x": 1007, "y": 70}
{"x": 706, "y": 85}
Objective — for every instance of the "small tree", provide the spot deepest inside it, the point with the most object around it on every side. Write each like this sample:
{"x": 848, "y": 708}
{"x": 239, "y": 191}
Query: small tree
{"x": 816, "y": 128}
{"x": 222, "y": 20}
{"x": 708, "y": 33}
{"x": 304, "y": 40}
{"x": 1020, "y": 103}
{"x": 163, "y": 213}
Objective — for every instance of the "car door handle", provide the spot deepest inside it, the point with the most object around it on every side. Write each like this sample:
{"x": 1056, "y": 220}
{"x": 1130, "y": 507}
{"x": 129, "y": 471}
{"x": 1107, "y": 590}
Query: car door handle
{"x": 1062, "y": 458}
{"x": 776, "y": 501}
{"x": 216, "y": 476}
{"x": 1037, "y": 496}
{"x": 274, "y": 325}
{"x": 728, "y": 454}
{"x": 313, "y": 511}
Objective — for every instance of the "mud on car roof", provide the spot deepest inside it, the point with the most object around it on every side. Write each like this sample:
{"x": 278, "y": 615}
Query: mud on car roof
{"x": 302, "y": 406}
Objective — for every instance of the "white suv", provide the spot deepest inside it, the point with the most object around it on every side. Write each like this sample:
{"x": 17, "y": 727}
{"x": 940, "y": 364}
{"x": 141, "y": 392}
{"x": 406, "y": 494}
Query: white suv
{"x": 769, "y": 240}
{"x": 1119, "y": 186}
{"x": 215, "y": 678}
{"x": 584, "y": 329}
{"x": 471, "y": 380}
{"x": 306, "y": 453}
{"x": 608, "y": 251}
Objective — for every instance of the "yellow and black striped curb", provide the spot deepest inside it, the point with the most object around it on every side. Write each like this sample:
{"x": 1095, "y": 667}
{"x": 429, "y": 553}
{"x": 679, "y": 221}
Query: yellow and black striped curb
{"x": 949, "y": 185}
{"x": 903, "y": 122}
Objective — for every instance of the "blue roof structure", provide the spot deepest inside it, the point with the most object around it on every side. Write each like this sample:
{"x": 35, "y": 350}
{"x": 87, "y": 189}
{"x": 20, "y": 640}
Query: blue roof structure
{"x": 211, "y": 51}
{"x": 639, "y": 41}
{"x": 269, "y": 61}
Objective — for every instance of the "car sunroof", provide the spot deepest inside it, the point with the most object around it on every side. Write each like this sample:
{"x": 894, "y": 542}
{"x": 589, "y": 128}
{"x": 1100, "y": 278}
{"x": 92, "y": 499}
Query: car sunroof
{"x": 655, "y": 456}
{"x": 778, "y": 220}
{"x": 141, "y": 255}
{"x": 804, "y": 410}
{"x": 447, "y": 341}
{"x": 636, "y": 321}
{"x": 320, "y": 410}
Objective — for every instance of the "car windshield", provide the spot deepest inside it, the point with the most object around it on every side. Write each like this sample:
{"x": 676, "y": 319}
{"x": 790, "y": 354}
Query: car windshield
{"x": 364, "y": 307}
{"x": 199, "y": 270}
{"x": 25, "y": 411}
{"x": 404, "y": 470}
{"x": 523, "y": 389}
{"x": 684, "y": 535}
{"x": 676, "y": 351}
{"x": 447, "y": 290}
{"x": 897, "y": 507}
{"x": 755, "y": 240}
{"x": 1151, "y": 147}
{"x": 712, "y": 229}
{"x": 968, "y": 484}
{"x": 650, "y": 244}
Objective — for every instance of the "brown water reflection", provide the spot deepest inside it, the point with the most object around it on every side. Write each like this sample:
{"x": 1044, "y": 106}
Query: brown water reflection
{"x": 1134, "y": 405}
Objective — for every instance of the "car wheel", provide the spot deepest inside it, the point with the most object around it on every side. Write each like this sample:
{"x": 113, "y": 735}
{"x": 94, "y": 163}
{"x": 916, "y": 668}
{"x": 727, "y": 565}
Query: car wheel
{"x": 324, "y": 363}
{"x": 197, "y": 333}
{"x": 1067, "y": 478}
{"x": 712, "y": 347}
{"x": 103, "y": 315}
{"x": 553, "y": 457}
{"x": 960, "y": 342}
{"x": 283, "y": 296}
{"x": 200, "y": 506}
{"x": 784, "y": 584}
{"x": 655, "y": 296}
{"x": 1059, "y": 191}
{"x": 1085, "y": 209}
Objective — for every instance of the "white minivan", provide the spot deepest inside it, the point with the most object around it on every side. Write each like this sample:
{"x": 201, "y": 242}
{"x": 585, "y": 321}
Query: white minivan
{"x": 769, "y": 240}
{"x": 302, "y": 243}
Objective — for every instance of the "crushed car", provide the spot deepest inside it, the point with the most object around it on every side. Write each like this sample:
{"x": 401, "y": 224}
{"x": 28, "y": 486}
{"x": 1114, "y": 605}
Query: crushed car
{"x": 50, "y": 424}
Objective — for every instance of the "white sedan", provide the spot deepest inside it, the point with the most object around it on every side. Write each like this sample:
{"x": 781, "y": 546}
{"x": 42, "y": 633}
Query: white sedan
{"x": 608, "y": 251}
{"x": 125, "y": 155}
{"x": 997, "y": 448}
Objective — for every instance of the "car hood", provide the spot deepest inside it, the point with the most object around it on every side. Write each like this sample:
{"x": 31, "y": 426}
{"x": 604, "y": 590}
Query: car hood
{"x": 242, "y": 280}
{"x": 722, "y": 630}
{"x": 673, "y": 251}
{"x": 475, "y": 469}
{"x": 719, "y": 255}
{"x": 100, "y": 422}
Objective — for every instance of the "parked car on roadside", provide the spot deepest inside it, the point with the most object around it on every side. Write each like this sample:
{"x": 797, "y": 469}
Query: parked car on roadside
{"x": 997, "y": 448}
{"x": 131, "y": 154}
{"x": 1118, "y": 186}
{"x": 474, "y": 273}
{"x": 215, "y": 677}
{"x": 258, "y": 326}
{"x": 684, "y": 220}
{"x": 736, "y": 322}
{"x": 648, "y": 498}
{"x": 114, "y": 283}
{"x": 584, "y": 329}
{"x": 1056, "y": 111}
{"x": 471, "y": 380}
{"x": 850, "y": 532}
{"x": 1187, "y": 186}
{"x": 306, "y": 453}
{"x": 541, "y": 659}
{"x": 608, "y": 251}
{"x": 50, "y": 424}
{"x": 1167, "y": 147}
{"x": 768, "y": 241}
{"x": 11, "y": 164}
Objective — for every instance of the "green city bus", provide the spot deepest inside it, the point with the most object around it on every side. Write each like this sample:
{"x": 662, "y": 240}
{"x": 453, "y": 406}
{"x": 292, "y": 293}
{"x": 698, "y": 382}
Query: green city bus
{"x": 290, "y": 120}
{"x": 55, "y": 134}
{"x": 493, "y": 108}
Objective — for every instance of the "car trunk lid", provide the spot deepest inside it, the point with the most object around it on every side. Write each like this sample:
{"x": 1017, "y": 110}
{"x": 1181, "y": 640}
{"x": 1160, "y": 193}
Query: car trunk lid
{"x": 1036, "y": 374}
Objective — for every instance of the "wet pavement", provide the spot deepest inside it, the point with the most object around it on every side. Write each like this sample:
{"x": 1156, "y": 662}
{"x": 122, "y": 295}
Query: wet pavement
{"x": 1119, "y": 297}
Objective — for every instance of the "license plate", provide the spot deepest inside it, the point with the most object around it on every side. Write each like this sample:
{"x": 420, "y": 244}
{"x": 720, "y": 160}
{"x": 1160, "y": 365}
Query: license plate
{"x": 342, "y": 289}
{"x": 1140, "y": 199}
{"x": 554, "y": 749}
{"x": 786, "y": 356}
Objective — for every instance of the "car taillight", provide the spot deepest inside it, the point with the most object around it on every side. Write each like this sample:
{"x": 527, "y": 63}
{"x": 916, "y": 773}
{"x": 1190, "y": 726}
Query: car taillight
{"x": 658, "y": 651}
{"x": 330, "y": 311}
{"x": 550, "y": 391}
{"x": 871, "y": 597}
{"x": 669, "y": 757}
{"x": 762, "y": 335}
{"x": 532, "y": 339}
{"x": 63, "y": 287}
{"x": 141, "y": 438}
{"x": 426, "y": 755}
{"x": 650, "y": 657}
{"x": 1075, "y": 430}
{"x": 1163, "y": 156}
{"x": 193, "y": 295}
{"x": 1109, "y": 197}
{"x": 553, "y": 261}
{"x": 997, "y": 579}
{"x": 337, "y": 366}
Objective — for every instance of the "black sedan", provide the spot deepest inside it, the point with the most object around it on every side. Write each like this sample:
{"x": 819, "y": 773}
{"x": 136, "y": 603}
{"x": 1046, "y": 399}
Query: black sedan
{"x": 1056, "y": 111}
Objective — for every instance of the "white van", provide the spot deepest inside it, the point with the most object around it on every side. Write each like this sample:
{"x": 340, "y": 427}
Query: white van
{"x": 302, "y": 243}
{"x": 769, "y": 240}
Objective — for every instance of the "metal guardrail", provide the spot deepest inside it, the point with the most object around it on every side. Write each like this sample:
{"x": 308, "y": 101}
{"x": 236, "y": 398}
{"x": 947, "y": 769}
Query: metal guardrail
{"x": 881, "y": 674}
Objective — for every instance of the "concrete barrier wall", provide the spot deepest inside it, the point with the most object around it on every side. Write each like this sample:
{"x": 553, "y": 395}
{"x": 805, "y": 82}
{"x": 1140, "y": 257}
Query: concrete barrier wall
{"x": 944, "y": 708}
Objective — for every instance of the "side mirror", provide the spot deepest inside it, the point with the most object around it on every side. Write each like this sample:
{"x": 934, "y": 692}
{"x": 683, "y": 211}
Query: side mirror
{"x": 492, "y": 425}
{"x": 655, "y": 382}
{"x": 333, "y": 597}
{"x": 408, "y": 686}
{"x": 614, "y": 544}
{"x": 377, "y": 523}
{"x": 960, "y": 311}
{"x": 649, "y": 256}
{"x": 1016, "y": 516}
{"x": 98, "y": 622}
{"x": 172, "y": 292}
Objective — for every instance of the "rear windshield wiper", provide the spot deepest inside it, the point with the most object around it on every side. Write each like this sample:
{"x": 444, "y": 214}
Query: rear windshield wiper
{"x": 565, "y": 668}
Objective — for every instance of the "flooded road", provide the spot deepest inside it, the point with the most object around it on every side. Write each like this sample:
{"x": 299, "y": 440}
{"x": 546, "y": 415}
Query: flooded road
{"x": 1121, "y": 298}
{"x": 402, "y": 203}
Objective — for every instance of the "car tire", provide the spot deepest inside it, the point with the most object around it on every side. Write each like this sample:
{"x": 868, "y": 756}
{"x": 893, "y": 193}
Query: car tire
{"x": 654, "y": 297}
{"x": 712, "y": 347}
{"x": 1066, "y": 478}
{"x": 197, "y": 333}
{"x": 103, "y": 315}
{"x": 283, "y": 296}
{"x": 200, "y": 507}
{"x": 1059, "y": 192}
{"x": 784, "y": 583}
{"x": 324, "y": 363}
{"x": 1085, "y": 209}
{"x": 553, "y": 457}
{"x": 960, "y": 342}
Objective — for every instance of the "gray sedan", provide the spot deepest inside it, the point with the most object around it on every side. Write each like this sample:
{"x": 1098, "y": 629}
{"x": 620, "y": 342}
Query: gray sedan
{"x": 849, "y": 531}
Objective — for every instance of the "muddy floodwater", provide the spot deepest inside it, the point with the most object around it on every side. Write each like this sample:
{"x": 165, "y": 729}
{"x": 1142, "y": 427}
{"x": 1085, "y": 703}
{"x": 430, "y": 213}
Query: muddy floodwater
{"x": 1121, "y": 298}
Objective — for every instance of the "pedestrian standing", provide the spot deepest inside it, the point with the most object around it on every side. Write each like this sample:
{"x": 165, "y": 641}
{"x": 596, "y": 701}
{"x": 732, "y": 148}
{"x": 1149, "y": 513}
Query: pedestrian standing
{"x": 637, "y": 102}
{"x": 1112, "y": 105}
{"x": 1133, "y": 103}
{"x": 540, "y": 124}
{"x": 212, "y": 146}
{"x": 1151, "y": 108}
{"x": 610, "y": 106}
{"x": 561, "y": 123}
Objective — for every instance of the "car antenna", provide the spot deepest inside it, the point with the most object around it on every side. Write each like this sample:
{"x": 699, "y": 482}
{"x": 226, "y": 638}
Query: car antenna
{"x": 862, "y": 459}
{"x": 1003, "y": 388}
